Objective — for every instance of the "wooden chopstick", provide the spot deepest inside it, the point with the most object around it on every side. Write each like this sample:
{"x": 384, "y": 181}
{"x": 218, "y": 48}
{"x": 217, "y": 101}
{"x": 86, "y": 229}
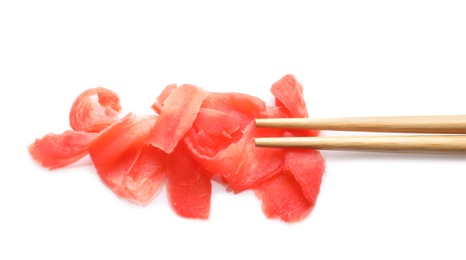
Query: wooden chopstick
{"x": 455, "y": 124}
{"x": 442, "y": 144}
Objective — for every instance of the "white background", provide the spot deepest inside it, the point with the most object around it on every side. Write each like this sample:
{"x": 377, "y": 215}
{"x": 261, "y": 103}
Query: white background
{"x": 354, "y": 58}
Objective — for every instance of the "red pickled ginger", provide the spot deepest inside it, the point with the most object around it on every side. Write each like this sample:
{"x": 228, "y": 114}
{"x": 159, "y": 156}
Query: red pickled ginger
{"x": 196, "y": 137}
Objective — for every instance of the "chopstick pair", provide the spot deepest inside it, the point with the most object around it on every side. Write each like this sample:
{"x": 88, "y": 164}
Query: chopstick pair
{"x": 446, "y": 134}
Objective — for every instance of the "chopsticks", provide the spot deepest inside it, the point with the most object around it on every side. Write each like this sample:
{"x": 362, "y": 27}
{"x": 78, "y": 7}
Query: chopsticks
{"x": 442, "y": 126}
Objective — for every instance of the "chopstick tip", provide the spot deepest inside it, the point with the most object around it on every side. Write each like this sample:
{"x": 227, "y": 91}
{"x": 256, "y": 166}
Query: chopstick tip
{"x": 258, "y": 121}
{"x": 257, "y": 142}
